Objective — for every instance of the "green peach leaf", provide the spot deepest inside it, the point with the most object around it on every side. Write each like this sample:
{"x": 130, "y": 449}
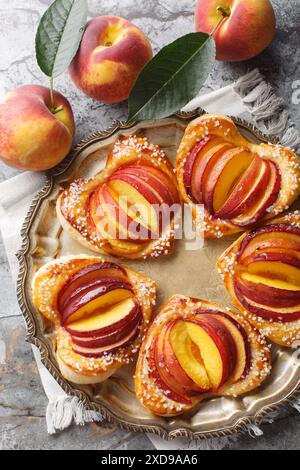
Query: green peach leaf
{"x": 59, "y": 35}
{"x": 173, "y": 77}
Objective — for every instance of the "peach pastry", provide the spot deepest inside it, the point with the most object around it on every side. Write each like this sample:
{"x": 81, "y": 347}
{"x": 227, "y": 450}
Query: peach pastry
{"x": 100, "y": 312}
{"x": 238, "y": 182}
{"x": 129, "y": 209}
{"x": 261, "y": 272}
{"x": 195, "y": 350}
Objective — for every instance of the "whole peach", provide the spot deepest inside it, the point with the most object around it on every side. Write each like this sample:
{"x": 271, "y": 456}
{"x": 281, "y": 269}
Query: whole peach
{"x": 32, "y": 137}
{"x": 111, "y": 56}
{"x": 245, "y": 33}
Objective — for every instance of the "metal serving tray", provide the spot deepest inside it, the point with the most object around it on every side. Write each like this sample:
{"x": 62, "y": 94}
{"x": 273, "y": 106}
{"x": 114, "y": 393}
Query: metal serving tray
{"x": 185, "y": 272}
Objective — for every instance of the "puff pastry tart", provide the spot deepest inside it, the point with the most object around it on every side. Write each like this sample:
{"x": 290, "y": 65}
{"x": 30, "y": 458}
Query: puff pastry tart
{"x": 261, "y": 272}
{"x": 195, "y": 350}
{"x": 120, "y": 211}
{"x": 239, "y": 183}
{"x": 100, "y": 311}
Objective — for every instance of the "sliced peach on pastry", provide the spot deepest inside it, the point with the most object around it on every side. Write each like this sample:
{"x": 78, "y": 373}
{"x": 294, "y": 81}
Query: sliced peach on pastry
{"x": 102, "y": 339}
{"x": 196, "y": 154}
{"x": 206, "y": 159}
{"x": 169, "y": 368}
{"x": 264, "y": 255}
{"x": 280, "y": 315}
{"x": 216, "y": 347}
{"x": 269, "y": 292}
{"x": 285, "y": 257}
{"x": 155, "y": 373}
{"x": 101, "y": 351}
{"x": 152, "y": 183}
{"x": 280, "y": 236}
{"x": 113, "y": 318}
{"x": 108, "y": 231}
{"x": 88, "y": 277}
{"x": 188, "y": 357}
{"x": 140, "y": 210}
{"x": 269, "y": 196}
{"x": 286, "y": 273}
{"x": 246, "y": 191}
{"x": 243, "y": 346}
{"x": 93, "y": 299}
{"x": 125, "y": 227}
{"x": 220, "y": 180}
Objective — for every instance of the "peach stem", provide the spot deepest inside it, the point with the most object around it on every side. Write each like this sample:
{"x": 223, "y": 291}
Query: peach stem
{"x": 53, "y": 109}
{"x": 52, "y": 103}
{"x": 225, "y": 14}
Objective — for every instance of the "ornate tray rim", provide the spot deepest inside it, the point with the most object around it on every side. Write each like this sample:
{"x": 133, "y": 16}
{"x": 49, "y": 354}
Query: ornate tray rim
{"x": 32, "y": 336}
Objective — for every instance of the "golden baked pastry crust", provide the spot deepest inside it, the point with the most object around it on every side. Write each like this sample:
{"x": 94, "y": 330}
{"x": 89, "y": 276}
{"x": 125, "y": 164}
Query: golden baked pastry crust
{"x": 181, "y": 307}
{"x": 46, "y": 286}
{"x": 284, "y": 334}
{"x": 222, "y": 126}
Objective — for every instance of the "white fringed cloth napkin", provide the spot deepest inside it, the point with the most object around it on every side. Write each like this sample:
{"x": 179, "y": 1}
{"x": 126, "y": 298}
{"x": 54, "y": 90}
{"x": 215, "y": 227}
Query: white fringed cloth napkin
{"x": 250, "y": 98}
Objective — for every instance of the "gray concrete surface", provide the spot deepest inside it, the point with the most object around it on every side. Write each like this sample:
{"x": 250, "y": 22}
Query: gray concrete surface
{"x": 22, "y": 399}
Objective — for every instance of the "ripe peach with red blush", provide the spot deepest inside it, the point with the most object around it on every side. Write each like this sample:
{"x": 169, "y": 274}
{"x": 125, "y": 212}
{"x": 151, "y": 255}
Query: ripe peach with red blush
{"x": 33, "y": 136}
{"x": 112, "y": 54}
{"x": 248, "y": 26}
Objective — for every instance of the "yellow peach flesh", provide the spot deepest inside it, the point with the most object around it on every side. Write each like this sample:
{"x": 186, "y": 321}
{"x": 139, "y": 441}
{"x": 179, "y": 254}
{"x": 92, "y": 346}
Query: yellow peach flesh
{"x": 135, "y": 205}
{"x": 182, "y": 347}
{"x": 112, "y": 314}
{"x": 276, "y": 270}
{"x": 209, "y": 353}
{"x": 101, "y": 303}
{"x": 230, "y": 177}
{"x": 275, "y": 283}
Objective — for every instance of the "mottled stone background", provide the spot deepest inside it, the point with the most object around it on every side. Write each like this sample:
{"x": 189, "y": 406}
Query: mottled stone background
{"x": 22, "y": 399}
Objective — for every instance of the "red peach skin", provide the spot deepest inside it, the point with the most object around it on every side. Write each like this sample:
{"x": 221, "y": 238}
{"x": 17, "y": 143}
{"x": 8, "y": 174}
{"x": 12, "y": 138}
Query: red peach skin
{"x": 32, "y": 137}
{"x": 111, "y": 56}
{"x": 245, "y": 33}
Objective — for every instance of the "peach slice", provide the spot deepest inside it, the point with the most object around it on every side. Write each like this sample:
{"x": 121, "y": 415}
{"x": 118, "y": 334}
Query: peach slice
{"x": 258, "y": 210}
{"x": 177, "y": 373}
{"x": 246, "y": 191}
{"x": 280, "y": 315}
{"x": 216, "y": 347}
{"x": 98, "y": 298}
{"x": 107, "y": 230}
{"x": 169, "y": 368}
{"x": 155, "y": 372}
{"x": 224, "y": 176}
{"x": 196, "y": 154}
{"x": 140, "y": 210}
{"x": 105, "y": 339}
{"x": 273, "y": 236}
{"x": 206, "y": 159}
{"x": 88, "y": 277}
{"x": 284, "y": 273}
{"x": 99, "y": 352}
{"x": 186, "y": 355}
{"x": 125, "y": 227}
{"x": 268, "y": 292}
{"x": 152, "y": 183}
{"x": 243, "y": 346}
{"x": 106, "y": 322}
